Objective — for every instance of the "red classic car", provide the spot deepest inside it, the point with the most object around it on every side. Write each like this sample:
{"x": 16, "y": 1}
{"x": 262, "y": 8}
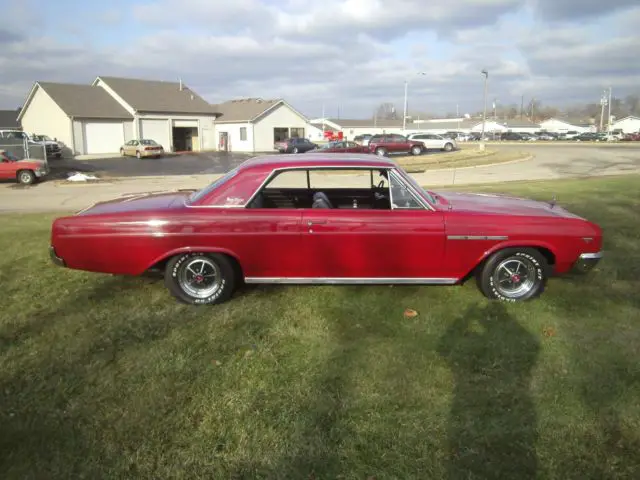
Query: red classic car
{"x": 326, "y": 219}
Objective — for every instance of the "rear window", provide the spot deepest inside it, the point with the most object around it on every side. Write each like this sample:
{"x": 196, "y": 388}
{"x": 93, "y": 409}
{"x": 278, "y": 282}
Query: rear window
{"x": 200, "y": 194}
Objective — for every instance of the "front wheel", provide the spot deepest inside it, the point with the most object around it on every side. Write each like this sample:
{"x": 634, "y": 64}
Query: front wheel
{"x": 138, "y": 155}
{"x": 448, "y": 147}
{"x": 122, "y": 152}
{"x": 295, "y": 149}
{"x": 381, "y": 152}
{"x": 200, "y": 278}
{"x": 416, "y": 150}
{"x": 26, "y": 177}
{"x": 513, "y": 275}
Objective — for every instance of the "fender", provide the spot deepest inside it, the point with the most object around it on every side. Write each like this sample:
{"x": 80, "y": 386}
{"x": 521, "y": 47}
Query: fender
{"x": 178, "y": 251}
{"x": 511, "y": 244}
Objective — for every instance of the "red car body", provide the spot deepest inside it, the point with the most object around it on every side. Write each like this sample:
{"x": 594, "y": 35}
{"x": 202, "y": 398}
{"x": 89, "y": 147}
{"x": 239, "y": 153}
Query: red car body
{"x": 394, "y": 143}
{"x": 24, "y": 171}
{"x": 404, "y": 234}
{"x": 343, "y": 146}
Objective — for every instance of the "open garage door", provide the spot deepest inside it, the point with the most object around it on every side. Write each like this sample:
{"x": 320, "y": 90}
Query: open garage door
{"x": 157, "y": 130}
{"x": 103, "y": 137}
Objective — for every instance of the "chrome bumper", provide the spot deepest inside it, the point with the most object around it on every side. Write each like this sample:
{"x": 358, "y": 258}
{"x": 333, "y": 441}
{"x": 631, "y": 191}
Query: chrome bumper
{"x": 586, "y": 262}
{"x": 55, "y": 258}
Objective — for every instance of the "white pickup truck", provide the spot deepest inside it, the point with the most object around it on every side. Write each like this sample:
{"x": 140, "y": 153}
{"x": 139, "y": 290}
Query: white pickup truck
{"x": 52, "y": 147}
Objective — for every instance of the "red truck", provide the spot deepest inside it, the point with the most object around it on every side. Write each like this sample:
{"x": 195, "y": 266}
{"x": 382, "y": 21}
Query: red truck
{"x": 23, "y": 171}
{"x": 387, "y": 143}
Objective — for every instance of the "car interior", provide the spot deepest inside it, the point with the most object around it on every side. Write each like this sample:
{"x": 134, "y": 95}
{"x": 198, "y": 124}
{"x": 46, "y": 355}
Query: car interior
{"x": 367, "y": 189}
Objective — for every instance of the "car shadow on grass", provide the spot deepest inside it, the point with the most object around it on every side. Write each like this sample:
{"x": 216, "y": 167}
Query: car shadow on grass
{"x": 492, "y": 423}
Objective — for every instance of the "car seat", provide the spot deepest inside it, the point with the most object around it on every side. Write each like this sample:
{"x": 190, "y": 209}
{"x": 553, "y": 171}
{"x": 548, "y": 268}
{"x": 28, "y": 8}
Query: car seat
{"x": 320, "y": 200}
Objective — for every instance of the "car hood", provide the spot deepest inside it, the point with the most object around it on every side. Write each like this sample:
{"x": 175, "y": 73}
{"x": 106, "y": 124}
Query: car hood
{"x": 139, "y": 201}
{"x": 501, "y": 205}
{"x": 32, "y": 162}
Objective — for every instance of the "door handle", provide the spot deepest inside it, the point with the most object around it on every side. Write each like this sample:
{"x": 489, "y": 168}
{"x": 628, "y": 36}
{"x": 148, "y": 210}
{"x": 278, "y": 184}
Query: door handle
{"x": 316, "y": 222}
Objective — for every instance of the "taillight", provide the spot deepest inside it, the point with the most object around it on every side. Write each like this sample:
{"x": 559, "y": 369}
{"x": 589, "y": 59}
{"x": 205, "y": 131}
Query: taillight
{"x": 148, "y": 148}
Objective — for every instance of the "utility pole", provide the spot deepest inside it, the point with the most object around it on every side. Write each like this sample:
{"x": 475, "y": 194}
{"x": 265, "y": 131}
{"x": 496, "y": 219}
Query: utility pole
{"x": 323, "y": 120}
{"x": 458, "y": 114}
{"x": 406, "y": 102}
{"x": 521, "y": 106}
{"x": 609, "y": 113}
{"x": 533, "y": 106}
{"x": 603, "y": 102}
{"x": 484, "y": 112}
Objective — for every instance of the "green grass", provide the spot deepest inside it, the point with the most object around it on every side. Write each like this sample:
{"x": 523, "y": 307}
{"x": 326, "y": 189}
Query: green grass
{"x": 466, "y": 157}
{"x": 107, "y": 377}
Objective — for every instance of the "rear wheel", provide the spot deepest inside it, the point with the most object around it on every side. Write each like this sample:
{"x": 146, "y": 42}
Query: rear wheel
{"x": 26, "y": 177}
{"x": 513, "y": 275}
{"x": 295, "y": 149}
{"x": 381, "y": 152}
{"x": 416, "y": 150}
{"x": 448, "y": 147}
{"x": 200, "y": 278}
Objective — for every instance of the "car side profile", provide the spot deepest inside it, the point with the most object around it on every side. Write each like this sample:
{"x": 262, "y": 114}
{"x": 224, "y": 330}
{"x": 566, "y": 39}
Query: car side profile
{"x": 326, "y": 219}
{"x": 142, "y": 148}
{"x": 343, "y": 146}
{"x": 384, "y": 144}
{"x": 434, "y": 142}
{"x": 294, "y": 145}
{"x": 24, "y": 171}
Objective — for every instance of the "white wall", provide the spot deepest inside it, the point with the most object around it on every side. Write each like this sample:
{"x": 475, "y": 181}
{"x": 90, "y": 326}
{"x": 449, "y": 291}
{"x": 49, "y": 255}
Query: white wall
{"x": 280, "y": 117}
{"x": 524, "y": 129}
{"x": 628, "y": 125}
{"x": 233, "y": 132}
{"x": 43, "y": 116}
{"x": 558, "y": 126}
{"x": 490, "y": 126}
{"x": 206, "y": 133}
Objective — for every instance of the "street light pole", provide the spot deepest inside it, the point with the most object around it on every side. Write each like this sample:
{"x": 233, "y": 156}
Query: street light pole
{"x": 406, "y": 101}
{"x": 484, "y": 112}
{"x": 609, "y": 113}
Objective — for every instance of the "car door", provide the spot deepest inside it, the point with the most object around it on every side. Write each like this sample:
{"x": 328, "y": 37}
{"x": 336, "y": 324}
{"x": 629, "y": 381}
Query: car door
{"x": 400, "y": 143}
{"x": 353, "y": 147}
{"x": 406, "y": 242}
{"x": 131, "y": 147}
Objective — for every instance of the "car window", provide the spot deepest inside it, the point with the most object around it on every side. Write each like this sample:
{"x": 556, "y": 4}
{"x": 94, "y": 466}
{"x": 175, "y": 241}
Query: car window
{"x": 339, "y": 179}
{"x": 196, "y": 196}
{"x": 288, "y": 179}
{"x": 401, "y": 196}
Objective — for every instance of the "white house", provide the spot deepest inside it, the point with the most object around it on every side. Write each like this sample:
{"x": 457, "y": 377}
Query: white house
{"x": 254, "y": 124}
{"x": 629, "y": 124}
{"x": 100, "y": 118}
{"x": 559, "y": 125}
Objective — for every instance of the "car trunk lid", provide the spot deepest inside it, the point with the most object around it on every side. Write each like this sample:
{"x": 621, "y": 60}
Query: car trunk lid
{"x": 140, "y": 201}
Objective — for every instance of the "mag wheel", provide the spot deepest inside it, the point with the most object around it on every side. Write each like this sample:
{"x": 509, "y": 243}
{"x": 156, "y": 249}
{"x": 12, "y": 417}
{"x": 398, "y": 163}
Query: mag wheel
{"x": 200, "y": 279}
{"x": 381, "y": 152}
{"x": 26, "y": 177}
{"x": 416, "y": 150}
{"x": 448, "y": 147}
{"x": 513, "y": 275}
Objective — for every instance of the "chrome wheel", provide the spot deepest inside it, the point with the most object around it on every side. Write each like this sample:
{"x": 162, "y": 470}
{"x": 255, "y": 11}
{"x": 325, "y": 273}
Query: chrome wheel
{"x": 200, "y": 277}
{"x": 515, "y": 277}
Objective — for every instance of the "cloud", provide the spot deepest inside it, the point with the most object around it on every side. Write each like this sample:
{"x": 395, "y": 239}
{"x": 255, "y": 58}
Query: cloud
{"x": 352, "y": 53}
{"x": 571, "y": 10}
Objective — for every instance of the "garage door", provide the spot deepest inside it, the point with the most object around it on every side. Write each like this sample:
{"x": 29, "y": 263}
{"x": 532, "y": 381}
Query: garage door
{"x": 157, "y": 130}
{"x": 103, "y": 137}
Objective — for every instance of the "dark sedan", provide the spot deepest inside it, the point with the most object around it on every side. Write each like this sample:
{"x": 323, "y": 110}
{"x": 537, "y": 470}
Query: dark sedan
{"x": 294, "y": 145}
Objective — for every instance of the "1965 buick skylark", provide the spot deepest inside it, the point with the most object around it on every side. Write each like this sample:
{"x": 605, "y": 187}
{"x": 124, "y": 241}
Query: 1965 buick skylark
{"x": 327, "y": 219}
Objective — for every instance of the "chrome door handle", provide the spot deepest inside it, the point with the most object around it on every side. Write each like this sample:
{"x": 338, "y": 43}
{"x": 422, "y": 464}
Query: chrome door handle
{"x": 316, "y": 222}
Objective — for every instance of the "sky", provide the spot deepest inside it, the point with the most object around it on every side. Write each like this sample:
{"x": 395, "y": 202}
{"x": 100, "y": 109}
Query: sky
{"x": 348, "y": 55}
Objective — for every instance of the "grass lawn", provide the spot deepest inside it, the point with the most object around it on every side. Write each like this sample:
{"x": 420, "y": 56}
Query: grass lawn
{"x": 465, "y": 157}
{"x": 107, "y": 377}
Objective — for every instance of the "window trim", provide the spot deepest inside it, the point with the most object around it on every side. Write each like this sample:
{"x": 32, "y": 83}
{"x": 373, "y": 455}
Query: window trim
{"x": 243, "y": 130}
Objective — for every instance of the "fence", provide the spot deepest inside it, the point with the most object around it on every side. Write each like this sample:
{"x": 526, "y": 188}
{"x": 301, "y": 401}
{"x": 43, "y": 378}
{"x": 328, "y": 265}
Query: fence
{"x": 26, "y": 150}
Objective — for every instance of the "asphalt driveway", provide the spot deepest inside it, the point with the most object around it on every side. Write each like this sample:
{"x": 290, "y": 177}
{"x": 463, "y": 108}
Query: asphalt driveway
{"x": 185, "y": 164}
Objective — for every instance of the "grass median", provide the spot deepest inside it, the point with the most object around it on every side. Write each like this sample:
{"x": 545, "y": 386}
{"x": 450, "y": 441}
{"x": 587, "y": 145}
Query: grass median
{"x": 466, "y": 157}
{"x": 108, "y": 377}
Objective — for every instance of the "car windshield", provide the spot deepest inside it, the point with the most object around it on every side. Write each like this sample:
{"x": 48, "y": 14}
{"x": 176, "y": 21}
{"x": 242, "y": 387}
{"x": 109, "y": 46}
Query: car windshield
{"x": 41, "y": 138}
{"x": 197, "y": 196}
{"x": 329, "y": 145}
{"x": 148, "y": 142}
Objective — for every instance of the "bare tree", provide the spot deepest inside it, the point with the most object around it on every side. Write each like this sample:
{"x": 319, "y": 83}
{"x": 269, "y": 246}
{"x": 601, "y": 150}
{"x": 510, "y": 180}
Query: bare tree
{"x": 387, "y": 111}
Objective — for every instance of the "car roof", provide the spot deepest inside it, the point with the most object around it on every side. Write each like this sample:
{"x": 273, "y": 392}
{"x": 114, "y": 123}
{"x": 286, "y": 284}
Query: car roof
{"x": 319, "y": 160}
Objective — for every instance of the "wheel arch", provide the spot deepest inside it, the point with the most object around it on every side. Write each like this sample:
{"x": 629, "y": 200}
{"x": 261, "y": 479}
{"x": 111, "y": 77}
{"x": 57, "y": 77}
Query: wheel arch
{"x": 160, "y": 262}
{"x": 545, "y": 249}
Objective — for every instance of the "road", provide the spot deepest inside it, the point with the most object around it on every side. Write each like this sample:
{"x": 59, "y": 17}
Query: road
{"x": 548, "y": 162}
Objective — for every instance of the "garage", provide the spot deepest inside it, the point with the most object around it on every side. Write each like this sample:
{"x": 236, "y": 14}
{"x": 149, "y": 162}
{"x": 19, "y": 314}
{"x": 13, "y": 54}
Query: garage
{"x": 103, "y": 137}
{"x": 157, "y": 130}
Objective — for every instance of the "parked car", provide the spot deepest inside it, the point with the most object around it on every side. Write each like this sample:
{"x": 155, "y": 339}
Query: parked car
{"x": 588, "y": 137}
{"x": 142, "y": 148}
{"x": 435, "y": 142}
{"x": 318, "y": 219}
{"x": 394, "y": 143}
{"x": 570, "y": 135}
{"x": 294, "y": 145}
{"x": 546, "y": 136}
{"x": 512, "y": 136}
{"x": 632, "y": 137}
{"x": 52, "y": 148}
{"x": 341, "y": 147}
{"x": 25, "y": 171}
{"x": 457, "y": 136}
{"x": 362, "y": 139}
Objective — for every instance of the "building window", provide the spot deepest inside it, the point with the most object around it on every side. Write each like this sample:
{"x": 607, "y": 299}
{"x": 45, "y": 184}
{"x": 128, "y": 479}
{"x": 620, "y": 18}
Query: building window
{"x": 243, "y": 134}
{"x": 297, "y": 133}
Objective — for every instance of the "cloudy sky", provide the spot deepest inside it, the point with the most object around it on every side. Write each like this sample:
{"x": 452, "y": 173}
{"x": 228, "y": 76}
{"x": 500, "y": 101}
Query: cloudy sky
{"x": 350, "y": 55}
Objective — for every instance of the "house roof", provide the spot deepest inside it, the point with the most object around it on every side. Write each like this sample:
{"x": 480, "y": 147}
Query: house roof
{"x": 9, "y": 119}
{"x": 521, "y": 124}
{"x": 80, "y": 100}
{"x": 572, "y": 121}
{"x": 245, "y": 109}
{"x": 327, "y": 127}
{"x": 367, "y": 123}
{"x": 450, "y": 126}
{"x": 628, "y": 117}
{"x": 158, "y": 96}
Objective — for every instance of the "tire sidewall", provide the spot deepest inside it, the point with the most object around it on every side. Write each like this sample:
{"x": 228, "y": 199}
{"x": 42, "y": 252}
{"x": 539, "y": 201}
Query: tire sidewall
{"x": 381, "y": 152}
{"x": 488, "y": 284}
{"x": 416, "y": 150}
{"x": 26, "y": 173}
{"x": 448, "y": 147}
{"x": 175, "y": 266}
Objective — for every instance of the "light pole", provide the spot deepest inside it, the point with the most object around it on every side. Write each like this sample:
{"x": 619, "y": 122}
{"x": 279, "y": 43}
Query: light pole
{"x": 484, "y": 112}
{"x": 406, "y": 99}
